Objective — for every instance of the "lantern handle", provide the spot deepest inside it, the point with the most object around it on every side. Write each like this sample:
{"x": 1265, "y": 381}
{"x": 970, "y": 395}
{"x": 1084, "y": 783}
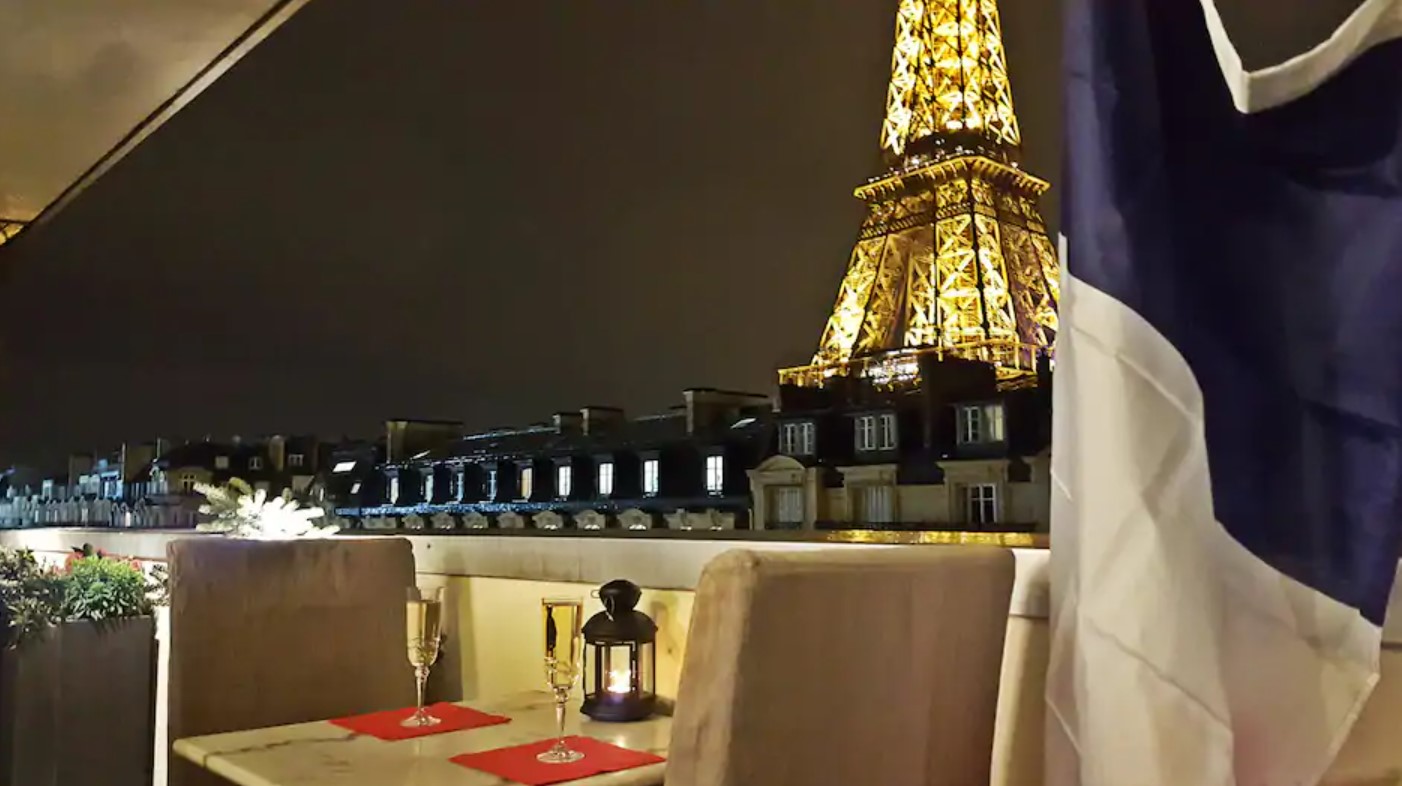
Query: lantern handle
{"x": 608, "y": 603}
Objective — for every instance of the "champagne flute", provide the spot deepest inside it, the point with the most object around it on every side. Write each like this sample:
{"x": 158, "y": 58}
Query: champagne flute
{"x": 564, "y": 651}
{"x": 424, "y": 634}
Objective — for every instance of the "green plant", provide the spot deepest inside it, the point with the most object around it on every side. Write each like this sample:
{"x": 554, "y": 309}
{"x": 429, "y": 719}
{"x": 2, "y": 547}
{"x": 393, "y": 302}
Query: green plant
{"x": 100, "y": 588}
{"x": 90, "y": 586}
{"x": 31, "y": 596}
{"x": 157, "y": 578}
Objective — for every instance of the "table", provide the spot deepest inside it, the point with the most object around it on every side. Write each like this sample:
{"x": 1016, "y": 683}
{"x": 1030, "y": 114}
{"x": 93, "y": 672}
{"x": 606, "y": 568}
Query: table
{"x": 322, "y": 754}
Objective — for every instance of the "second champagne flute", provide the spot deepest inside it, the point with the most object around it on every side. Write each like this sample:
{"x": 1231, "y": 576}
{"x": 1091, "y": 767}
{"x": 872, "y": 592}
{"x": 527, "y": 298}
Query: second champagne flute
{"x": 423, "y": 635}
{"x": 564, "y": 652}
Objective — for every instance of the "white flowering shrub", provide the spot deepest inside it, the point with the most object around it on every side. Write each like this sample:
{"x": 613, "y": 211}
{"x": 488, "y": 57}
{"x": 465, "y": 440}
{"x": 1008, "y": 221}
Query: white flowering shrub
{"x": 241, "y": 512}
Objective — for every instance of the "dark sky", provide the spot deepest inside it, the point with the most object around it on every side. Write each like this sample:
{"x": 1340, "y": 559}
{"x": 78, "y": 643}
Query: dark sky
{"x": 476, "y": 211}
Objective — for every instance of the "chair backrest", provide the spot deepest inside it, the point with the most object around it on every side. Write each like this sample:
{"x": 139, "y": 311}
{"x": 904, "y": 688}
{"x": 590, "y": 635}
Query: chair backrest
{"x": 270, "y": 633}
{"x": 843, "y": 666}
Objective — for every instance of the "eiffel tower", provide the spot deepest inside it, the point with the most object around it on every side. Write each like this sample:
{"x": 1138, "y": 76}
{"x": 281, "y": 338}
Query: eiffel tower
{"x": 953, "y": 257}
{"x": 9, "y": 228}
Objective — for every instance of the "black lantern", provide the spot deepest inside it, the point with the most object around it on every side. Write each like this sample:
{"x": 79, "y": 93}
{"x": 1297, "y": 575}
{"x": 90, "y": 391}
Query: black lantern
{"x": 620, "y": 670}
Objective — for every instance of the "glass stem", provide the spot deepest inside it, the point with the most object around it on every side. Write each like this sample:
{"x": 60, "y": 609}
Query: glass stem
{"x": 560, "y": 718}
{"x": 420, "y": 682}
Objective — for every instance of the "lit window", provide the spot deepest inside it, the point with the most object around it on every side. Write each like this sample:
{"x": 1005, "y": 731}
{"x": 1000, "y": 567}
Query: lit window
{"x": 563, "y": 477}
{"x": 527, "y": 482}
{"x": 428, "y": 486}
{"x": 796, "y": 439}
{"x": 221, "y": 462}
{"x": 876, "y": 504}
{"x": 355, "y": 487}
{"x": 887, "y": 431}
{"x": 876, "y": 432}
{"x": 715, "y": 474}
{"x": 606, "y": 478}
{"x": 981, "y": 503}
{"x": 866, "y": 432}
{"x": 980, "y": 423}
{"x": 787, "y": 502}
{"x": 295, "y": 459}
{"x": 343, "y": 466}
{"x": 492, "y": 484}
{"x": 255, "y": 463}
{"x": 394, "y": 489}
{"x": 455, "y": 484}
{"x": 650, "y": 476}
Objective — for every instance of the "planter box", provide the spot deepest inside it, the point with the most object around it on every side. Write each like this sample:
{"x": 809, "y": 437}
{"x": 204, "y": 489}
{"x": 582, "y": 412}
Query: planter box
{"x": 77, "y": 706}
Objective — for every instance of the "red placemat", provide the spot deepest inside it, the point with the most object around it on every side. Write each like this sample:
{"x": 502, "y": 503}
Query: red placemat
{"x": 519, "y": 763}
{"x": 385, "y": 725}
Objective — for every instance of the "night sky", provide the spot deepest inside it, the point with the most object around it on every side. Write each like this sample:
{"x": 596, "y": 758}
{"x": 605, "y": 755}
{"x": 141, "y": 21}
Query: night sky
{"x": 474, "y": 211}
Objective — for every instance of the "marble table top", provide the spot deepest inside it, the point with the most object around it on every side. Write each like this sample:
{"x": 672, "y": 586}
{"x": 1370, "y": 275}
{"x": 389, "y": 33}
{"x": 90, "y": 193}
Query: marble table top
{"x": 321, "y": 754}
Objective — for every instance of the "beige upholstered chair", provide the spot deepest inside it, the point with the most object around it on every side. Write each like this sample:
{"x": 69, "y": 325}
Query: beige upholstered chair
{"x": 268, "y": 633}
{"x": 843, "y": 667}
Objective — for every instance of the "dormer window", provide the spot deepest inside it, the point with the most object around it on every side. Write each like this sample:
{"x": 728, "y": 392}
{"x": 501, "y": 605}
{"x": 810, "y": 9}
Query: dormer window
{"x": 605, "y": 484}
{"x": 797, "y": 439}
{"x": 564, "y": 476}
{"x": 527, "y": 482}
{"x": 491, "y": 485}
{"x": 651, "y": 476}
{"x": 221, "y": 462}
{"x": 876, "y": 432}
{"x": 394, "y": 490}
{"x": 296, "y": 459}
{"x": 981, "y": 424}
{"x": 255, "y": 463}
{"x": 428, "y": 486}
{"x": 715, "y": 474}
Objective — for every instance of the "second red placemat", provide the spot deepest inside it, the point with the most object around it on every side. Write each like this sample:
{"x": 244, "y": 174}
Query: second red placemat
{"x": 519, "y": 764}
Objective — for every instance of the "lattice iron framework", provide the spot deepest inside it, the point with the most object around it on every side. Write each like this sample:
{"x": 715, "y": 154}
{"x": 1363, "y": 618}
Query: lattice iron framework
{"x": 953, "y": 257}
{"x": 948, "y": 75}
{"x": 9, "y": 228}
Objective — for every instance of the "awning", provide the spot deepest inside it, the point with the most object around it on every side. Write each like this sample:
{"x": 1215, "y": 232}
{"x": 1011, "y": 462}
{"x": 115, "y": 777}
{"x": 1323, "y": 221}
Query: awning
{"x": 83, "y": 82}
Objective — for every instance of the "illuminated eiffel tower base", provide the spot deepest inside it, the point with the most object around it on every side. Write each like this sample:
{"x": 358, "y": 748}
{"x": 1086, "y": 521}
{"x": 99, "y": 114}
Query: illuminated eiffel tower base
{"x": 953, "y": 258}
{"x": 9, "y": 228}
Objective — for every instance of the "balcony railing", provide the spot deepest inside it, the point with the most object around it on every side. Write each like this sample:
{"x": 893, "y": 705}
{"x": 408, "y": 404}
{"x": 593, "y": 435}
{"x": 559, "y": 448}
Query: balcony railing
{"x": 901, "y": 368}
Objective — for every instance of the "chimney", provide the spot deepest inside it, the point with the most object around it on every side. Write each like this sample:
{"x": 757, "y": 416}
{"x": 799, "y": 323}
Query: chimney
{"x": 78, "y": 464}
{"x": 1044, "y": 368}
{"x": 598, "y": 420}
{"x": 135, "y": 458}
{"x": 394, "y": 440}
{"x": 708, "y": 408}
{"x": 568, "y": 422}
{"x": 277, "y": 452}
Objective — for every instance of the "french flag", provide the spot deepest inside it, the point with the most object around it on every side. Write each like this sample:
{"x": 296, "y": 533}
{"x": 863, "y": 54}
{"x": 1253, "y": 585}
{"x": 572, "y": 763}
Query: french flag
{"x": 1227, "y": 474}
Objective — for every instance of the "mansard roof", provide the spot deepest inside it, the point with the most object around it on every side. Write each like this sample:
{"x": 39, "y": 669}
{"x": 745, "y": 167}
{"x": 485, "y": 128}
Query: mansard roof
{"x": 203, "y": 454}
{"x": 638, "y": 434}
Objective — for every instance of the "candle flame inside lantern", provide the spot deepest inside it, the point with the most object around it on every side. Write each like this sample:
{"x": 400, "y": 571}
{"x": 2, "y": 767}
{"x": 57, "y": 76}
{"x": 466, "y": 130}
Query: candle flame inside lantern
{"x": 619, "y": 682}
